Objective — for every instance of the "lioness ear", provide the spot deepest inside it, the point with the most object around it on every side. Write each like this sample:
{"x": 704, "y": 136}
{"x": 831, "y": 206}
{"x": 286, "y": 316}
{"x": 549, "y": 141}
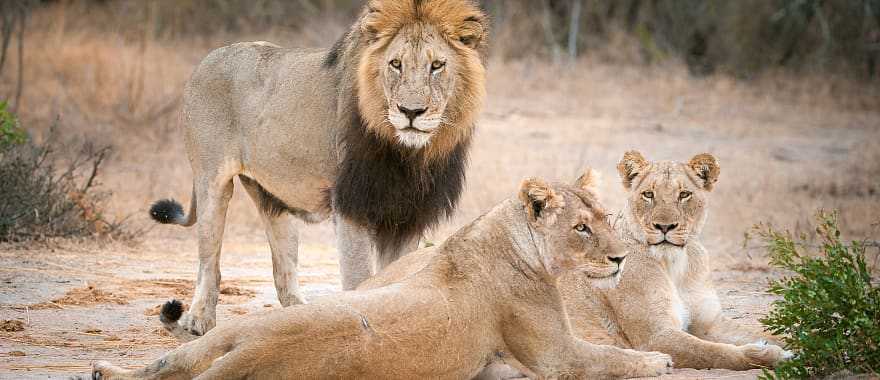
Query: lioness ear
{"x": 630, "y": 166}
{"x": 471, "y": 31}
{"x": 589, "y": 182}
{"x": 706, "y": 168}
{"x": 540, "y": 201}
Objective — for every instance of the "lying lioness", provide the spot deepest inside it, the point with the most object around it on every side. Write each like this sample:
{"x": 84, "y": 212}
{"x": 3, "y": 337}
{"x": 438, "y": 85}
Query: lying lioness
{"x": 488, "y": 294}
{"x": 666, "y": 300}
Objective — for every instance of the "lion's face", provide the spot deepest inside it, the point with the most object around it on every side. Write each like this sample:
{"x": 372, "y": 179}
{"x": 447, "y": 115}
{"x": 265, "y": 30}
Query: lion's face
{"x": 421, "y": 77}
{"x": 418, "y": 80}
{"x": 572, "y": 231}
{"x": 667, "y": 200}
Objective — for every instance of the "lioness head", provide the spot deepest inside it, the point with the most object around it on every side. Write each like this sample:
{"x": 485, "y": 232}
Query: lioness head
{"x": 421, "y": 77}
{"x": 666, "y": 204}
{"x": 571, "y": 229}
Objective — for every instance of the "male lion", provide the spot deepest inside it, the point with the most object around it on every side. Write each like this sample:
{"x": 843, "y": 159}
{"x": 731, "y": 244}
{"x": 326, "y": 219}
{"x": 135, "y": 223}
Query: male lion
{"x": 488, "y": 294}
{"x": 375, "y": 130}
{"x": 665, "y": 300}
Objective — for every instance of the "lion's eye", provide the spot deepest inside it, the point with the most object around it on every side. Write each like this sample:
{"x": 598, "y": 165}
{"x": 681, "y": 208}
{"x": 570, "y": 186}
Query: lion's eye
{"x": 437, "y": 65}
{"x": 395, "y": 63}
{"x": 684, "y": 195}
{"x": 648, "y": 195}
{"x": 583, "y": 228}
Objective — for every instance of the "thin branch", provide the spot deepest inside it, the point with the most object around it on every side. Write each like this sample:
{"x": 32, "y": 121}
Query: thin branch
{"x": 22, "y": 20}
{"x": 573, "y": 29}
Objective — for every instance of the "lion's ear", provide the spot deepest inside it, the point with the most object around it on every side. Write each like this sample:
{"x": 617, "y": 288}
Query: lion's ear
{"x": 706, "y": 168}
{"x": 540, "y": 201}
{"x": 471, "y": 32}
{"x": 370, "y": 21}
{"x": 589, "y": 182}
{"x": 630, "y": 166}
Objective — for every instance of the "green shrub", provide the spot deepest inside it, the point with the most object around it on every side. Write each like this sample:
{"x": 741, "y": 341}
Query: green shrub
{"x": 829, "y": 314}
{"x": 10, "y": 132}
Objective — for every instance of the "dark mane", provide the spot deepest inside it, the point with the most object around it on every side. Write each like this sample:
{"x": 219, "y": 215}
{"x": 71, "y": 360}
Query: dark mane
{"x": 335, "y": 53}
{"x": 391, "y": 189}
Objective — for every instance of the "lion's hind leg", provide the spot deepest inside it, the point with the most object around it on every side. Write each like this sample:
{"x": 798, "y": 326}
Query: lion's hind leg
{"x": 283, "y": 238}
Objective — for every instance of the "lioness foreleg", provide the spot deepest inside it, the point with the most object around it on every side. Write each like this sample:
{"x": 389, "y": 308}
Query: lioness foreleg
{"x": 725, "y": 330}
{"x": 547, "y": 347}
{"x": 692, "y": 352}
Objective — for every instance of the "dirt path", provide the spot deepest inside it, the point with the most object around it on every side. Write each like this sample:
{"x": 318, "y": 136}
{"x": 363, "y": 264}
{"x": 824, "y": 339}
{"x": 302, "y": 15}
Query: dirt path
{"x": 77, "y": 306}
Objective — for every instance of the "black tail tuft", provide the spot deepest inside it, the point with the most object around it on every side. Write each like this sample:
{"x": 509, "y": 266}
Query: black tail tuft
{"x": 171, "y": 311}
{"x": 167, "y": 211}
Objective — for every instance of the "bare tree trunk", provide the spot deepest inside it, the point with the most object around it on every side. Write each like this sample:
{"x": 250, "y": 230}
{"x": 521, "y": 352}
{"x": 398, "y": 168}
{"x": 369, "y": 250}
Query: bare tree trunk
{"x": 573, "y": 29}
{"x": 8, "y": 16}
{"x": 547, "y": 24}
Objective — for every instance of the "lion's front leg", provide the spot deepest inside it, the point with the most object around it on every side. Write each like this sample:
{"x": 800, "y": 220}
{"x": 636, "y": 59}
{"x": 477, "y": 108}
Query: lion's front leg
{"x": 354, "y": 245}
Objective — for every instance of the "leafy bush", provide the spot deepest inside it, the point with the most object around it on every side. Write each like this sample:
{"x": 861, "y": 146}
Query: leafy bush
{"x": 829, "y": 314}
{"x": 10, "y": 132}
{"x": 46, "y": 193}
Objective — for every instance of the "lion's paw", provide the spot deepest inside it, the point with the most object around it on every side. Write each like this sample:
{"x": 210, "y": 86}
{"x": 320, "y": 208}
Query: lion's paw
{"x": 653, "y": 364}
{"x": 764, "y": 355}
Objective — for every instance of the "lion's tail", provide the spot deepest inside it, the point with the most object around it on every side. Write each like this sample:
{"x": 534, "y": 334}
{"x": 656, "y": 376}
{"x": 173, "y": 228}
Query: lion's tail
{"x": 168, "y": 211}
{"x": 169, "y": 316}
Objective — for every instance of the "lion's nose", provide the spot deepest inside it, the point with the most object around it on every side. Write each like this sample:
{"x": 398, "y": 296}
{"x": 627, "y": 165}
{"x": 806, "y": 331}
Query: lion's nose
{"x": 665, "y": 228}
{"x": 616, "y": 259}
{"x": 412, "y": 114}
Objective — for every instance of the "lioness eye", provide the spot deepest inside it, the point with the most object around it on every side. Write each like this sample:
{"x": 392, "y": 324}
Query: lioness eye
{"x": 684, "y": 195}
{"x": 395, "y": 63}
{"x": 437, "y": 65}
{"x": 648, "y": 195}
{"x": 583, "y": 228}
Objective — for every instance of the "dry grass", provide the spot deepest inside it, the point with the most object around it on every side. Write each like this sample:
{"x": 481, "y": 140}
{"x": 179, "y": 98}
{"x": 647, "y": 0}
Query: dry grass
{"x": 788, "y": 145}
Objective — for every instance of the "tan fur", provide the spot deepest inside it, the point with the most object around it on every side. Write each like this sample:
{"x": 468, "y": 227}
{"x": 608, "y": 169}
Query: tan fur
{"x": 665, "y": 300}
{"x": 484, "y": 296}
{"x": 278, "y": 117}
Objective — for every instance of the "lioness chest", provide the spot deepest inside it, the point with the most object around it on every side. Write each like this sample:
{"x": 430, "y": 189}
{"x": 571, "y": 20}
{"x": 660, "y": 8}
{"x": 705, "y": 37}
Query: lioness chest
{"x": 680, "y": 307}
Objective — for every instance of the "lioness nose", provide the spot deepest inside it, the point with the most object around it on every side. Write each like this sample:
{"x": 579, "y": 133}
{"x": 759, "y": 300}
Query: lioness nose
{"x": 412, "y": 114}
{"x": 665, "y": 228}
{"x": 616, "y": 259}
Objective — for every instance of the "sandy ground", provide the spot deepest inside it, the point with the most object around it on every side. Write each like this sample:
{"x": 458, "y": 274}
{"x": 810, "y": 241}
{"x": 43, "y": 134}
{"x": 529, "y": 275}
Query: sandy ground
{"x": 787, "y": 148}
{"x": 78, "y": 306}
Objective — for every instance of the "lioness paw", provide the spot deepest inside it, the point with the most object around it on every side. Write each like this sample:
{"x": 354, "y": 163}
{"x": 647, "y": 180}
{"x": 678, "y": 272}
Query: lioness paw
{"x": 763, "y": 355}
{"x": 103, "y": 371}
{"x": 654, "y": 364}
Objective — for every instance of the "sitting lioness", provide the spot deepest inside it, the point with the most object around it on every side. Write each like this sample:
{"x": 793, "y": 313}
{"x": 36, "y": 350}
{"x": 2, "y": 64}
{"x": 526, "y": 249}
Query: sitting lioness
{"x": 665, "y": 300}
{"x": 488, "y": 294}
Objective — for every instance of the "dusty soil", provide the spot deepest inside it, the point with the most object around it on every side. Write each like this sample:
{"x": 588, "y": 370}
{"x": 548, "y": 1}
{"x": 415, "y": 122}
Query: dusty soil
{"x": 74, "y": 307}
